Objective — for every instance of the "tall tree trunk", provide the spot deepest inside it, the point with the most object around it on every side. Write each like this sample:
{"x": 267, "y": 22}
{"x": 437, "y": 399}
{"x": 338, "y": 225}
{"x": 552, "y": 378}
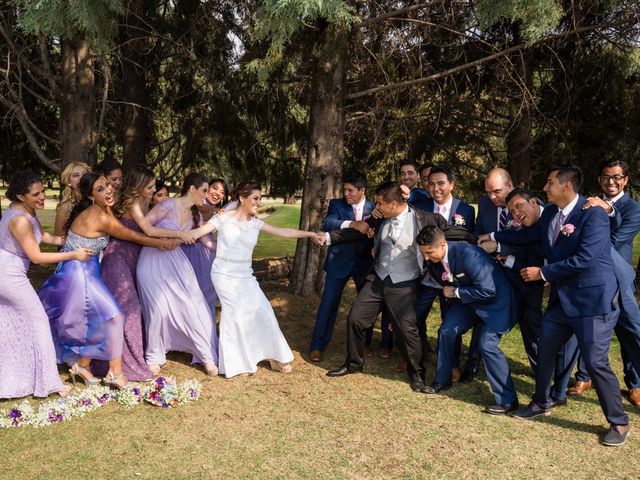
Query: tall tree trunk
{"x": 77, "y": 129}
{"x": 519, "y": 135}
{"x": 324, "y": 154}
{"x": 135, "y": 128}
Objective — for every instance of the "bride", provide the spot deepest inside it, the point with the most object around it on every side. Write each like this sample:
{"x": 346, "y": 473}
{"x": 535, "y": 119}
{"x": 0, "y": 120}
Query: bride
{"x": 249, "y": 331}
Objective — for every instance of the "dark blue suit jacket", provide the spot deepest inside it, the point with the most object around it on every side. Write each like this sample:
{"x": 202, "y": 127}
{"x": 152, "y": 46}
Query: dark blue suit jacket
{"x": 343, "y": 259}
{"x": 457, "y": 207}
{"x": 625, "y": 225}
{"x": 418, "y": 198}
{"x": 483, "y": 285}
{"x": 487, "y": 220}
{"x": 580, "y": 268}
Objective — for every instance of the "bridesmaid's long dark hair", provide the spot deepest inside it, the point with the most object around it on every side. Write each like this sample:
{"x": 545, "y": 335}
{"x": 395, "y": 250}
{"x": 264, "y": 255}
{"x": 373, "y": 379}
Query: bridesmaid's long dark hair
{"x": 194, "y": 180}
{"x": 86, "y": 189}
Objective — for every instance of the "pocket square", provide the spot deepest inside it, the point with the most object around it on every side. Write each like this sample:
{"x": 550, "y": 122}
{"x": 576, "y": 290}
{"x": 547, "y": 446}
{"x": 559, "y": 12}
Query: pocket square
{"x": 460, "y": 275}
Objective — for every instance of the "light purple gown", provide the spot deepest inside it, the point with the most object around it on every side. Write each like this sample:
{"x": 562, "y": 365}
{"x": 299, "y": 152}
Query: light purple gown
{"x": 27, "y": 354}
{"x": 177, "y": 316}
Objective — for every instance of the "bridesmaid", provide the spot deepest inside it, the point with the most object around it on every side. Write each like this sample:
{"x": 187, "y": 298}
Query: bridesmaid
{"x": 176, "y": 312}
{"x": 161, "y": 194}
{"x": 112, "y": 171}
{"x": 85, "y": 319}
{"x": 70, "y": 178}
{"x": 217, "y": 198}
{"x": 120, "y": 261}
{"x": 27, "y": 354}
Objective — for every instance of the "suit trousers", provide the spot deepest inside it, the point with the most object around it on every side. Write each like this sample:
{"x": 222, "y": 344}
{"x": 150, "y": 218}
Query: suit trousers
{"x": 328, "y": 309}
{"x": 400, "y": 302}
{"x": 459, "y": 319}
{"x": 628, "y": 332}
{"x": 593, "y": 336}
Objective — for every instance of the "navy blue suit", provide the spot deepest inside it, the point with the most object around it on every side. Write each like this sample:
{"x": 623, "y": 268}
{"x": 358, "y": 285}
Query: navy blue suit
{"x": 583, "y": 301}
{"x": 624, "y": 227}
{"x": 486, "y": 299}
{"x": 418, "y": 198}
{"x": 343, "y": 261}
{"x": 458, "y": 207}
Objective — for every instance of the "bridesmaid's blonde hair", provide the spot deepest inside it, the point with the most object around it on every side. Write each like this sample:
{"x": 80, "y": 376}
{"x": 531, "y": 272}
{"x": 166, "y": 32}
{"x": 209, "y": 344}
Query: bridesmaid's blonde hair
{"x": 68, "y": 194}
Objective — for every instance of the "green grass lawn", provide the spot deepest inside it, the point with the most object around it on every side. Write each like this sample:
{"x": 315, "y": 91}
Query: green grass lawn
{"x": 305, "y": 425}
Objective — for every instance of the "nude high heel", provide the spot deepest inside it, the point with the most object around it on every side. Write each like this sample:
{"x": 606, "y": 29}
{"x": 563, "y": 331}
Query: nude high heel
{"x": 281, "y": 367}
{"x": 111, "y": 380}
{"x": 85, "y": 375}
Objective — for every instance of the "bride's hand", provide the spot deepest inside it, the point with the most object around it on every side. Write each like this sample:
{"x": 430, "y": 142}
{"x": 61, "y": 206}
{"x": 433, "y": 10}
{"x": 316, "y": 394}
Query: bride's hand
{"x": 186, "y": 237}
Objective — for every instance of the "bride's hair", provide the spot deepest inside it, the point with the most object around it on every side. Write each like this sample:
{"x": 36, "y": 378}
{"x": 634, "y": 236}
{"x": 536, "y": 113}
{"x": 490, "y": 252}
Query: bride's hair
{"x": 194, "y": 180}
{"x": 244, "y": 189}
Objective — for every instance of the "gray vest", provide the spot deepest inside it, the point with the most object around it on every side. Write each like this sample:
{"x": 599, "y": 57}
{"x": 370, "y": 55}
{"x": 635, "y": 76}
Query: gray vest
{"x": 398, "y": 260}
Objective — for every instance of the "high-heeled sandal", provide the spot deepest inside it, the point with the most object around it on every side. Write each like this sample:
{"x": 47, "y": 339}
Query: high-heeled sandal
{"x": 155, "y": 368}
{"x": 111, "y": 380}
{"x": 65, "y": 392}
{"x": 87, "y": 377}
{"x": 211, "y": 369}
{"x": 280, "y": 367}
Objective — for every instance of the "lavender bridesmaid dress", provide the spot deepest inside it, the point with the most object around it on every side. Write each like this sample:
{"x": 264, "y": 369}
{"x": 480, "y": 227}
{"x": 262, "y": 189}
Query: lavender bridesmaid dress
{"x": 177, "y": 316}
{"x": 85, "y": 319}
{"x": 27, "y": 354}
{"x": 119, "y": 274}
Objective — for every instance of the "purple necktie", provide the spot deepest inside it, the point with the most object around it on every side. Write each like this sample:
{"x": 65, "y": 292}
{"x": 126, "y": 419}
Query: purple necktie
{"x": 503, "y": 220}
{"x": 557, "y": 227}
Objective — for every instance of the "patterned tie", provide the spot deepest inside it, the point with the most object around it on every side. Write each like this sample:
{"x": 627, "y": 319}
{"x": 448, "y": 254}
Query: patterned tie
{"x": 557, "y": 227}
{"x": 394, "y": 223}
{"x": 503, "y": 219}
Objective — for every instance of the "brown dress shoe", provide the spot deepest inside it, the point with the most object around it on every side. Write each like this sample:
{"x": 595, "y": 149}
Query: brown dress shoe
{"x": 384, "y": 353}
{"x": 634, "y": 397}
{"x": 578, "y": 389}
{"x": 366, "y": 352}
{"x": 315, "y": 356}
{"x": 455, "y": 374}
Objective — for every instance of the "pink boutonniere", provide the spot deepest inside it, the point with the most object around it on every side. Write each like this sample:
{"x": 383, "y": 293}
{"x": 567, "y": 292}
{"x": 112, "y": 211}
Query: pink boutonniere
{"x": 567, "y": 229}
{"x": 366, "y": 217}
{"x": 447, "y": 277}
{"x": 458, "y": 220}
{"x": 514, "y": 225}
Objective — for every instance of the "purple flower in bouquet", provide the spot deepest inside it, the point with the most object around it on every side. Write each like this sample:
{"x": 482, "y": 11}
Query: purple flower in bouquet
{"x": 85, "y": 402}
{"x": 15, "y": 415}
{"x": 55, "y": 416}
{"x": 136, "y": 391}
{"x": 160, "y": 382}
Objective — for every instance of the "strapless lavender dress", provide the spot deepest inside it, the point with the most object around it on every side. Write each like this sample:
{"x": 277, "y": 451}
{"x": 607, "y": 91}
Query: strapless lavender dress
{"x": 27, "y": 355}
{"x": 119, "y": 274}
{"x": 85, "y": 319}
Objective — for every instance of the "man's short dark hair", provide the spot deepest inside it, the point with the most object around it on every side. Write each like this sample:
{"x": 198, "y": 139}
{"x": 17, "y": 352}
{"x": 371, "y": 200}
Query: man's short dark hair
{"x": 430, "y": 236}
{"x": 569, "y": 173}
{"x": 443, "y": 169}
{"x": 615, "y": 163}
{"x": 519, "y": 192}
{"x": 406, "y": 162}
{"x": 424, "y": 167}
{"x": 390, "y": 191}
{"x": 356, "y": 179}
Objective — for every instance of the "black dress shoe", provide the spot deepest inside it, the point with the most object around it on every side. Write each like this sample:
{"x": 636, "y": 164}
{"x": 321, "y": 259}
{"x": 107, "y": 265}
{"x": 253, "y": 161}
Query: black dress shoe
{"x": 437, "y": 387}
{"x": 418, "y": 386}
{"x": 528, "y": 413}
{"x": 558, "y": 403}
{"x": 502, "y": 409}
{"x": 467, "y": 376}
{"x": 343, "y": 370}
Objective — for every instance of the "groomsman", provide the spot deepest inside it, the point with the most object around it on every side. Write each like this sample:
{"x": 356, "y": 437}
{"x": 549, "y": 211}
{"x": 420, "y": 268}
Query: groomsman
{"x": 481, "y": 296}
{"x": 624, "y": 216}
{"x": 392, "y": 283}
{"x": 440, "y": 184}
{"x": 345, "y": 261}
{"x": 583, "y": 298}
{"x": 410, "y": 177}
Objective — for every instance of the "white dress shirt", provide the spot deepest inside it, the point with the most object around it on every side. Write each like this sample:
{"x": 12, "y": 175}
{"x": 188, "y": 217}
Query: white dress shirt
{"x": 447, "y": 208}
{"x": 358, "y": 211}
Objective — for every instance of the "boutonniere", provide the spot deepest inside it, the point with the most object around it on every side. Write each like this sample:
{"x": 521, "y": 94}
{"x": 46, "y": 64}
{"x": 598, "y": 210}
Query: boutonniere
{"x": 458, "y": 220}
{"x": 447, "y": 277}
{"x": 567, "y": 229}
{"x": 514, "y": 225}
{"x": 366, "y": 217}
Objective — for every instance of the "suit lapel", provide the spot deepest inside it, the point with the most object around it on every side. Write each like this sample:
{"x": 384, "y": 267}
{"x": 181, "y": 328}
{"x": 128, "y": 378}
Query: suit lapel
{"x": 573, "y": 216}
{"x": 454, "y": 210}
{"x": 453, "y": 258}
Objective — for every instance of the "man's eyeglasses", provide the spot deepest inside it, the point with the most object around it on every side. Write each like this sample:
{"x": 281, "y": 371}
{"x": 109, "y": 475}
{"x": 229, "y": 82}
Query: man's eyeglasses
{"x": 615, "y": 178}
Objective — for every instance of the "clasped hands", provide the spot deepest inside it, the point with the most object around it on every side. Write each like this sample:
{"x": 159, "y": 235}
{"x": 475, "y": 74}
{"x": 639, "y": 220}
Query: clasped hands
{"x": 528, "y": 274}
{"x": 488, "y": 245}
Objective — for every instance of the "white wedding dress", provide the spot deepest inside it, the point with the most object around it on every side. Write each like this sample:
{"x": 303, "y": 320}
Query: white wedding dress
{"x": 249, "y": 331}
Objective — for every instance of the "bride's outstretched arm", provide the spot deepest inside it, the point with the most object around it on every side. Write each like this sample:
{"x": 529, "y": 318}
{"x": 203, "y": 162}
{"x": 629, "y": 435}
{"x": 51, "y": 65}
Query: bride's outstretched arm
{"x": 203, "y": 230}
{"x": 318, "y": 237}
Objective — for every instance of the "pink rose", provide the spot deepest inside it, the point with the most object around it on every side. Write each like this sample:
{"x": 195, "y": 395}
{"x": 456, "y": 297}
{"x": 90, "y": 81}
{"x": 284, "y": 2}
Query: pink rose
{"x": 458, "y": 220}
{"x": 567, "y": 229}
{"x": 514, "y": 224}
{"x": 447, "y": 277}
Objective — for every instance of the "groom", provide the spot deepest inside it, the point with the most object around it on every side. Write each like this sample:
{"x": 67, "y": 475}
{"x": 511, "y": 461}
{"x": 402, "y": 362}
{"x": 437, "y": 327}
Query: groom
{"x": 393, "y": 282}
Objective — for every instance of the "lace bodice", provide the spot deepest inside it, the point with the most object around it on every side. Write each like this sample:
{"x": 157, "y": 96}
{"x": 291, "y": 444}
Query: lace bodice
{"x": 236, "y": 240}
{"x": 7, "y": 241}
{"x": 75, "y": 241}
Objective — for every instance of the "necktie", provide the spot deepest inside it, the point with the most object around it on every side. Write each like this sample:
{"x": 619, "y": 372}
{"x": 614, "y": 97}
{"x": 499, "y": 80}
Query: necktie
{"x": 356, "y": 213}
{"x": 557, "y": 227}
{"x": 442, "y": 210}
{"x": 502, "y": 225}
{"x": 394, "y": 223}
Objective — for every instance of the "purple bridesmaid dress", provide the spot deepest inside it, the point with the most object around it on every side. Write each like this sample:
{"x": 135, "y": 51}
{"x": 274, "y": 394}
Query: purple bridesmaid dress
{"x": 27, "y": 354}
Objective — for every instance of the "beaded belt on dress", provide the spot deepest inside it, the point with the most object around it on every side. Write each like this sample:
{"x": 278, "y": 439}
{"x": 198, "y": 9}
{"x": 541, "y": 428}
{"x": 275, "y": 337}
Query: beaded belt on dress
{"x": 233, "y": 260}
